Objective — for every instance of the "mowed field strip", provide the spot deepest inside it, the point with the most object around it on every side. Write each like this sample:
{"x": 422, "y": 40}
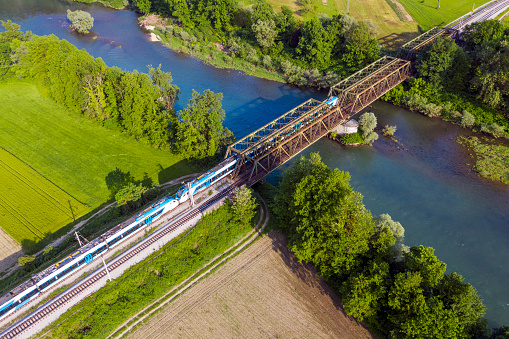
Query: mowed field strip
{"x": 264, "y": 292}
{"x": 30, "y": 205}
{"x": 68, "y": 158}
{"x": 426, "y": 13}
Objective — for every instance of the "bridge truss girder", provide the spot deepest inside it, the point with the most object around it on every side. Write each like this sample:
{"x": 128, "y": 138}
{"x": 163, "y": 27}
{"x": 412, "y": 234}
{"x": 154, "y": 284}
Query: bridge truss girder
{"x": 410, "y": 50}
{"x": 367, "y": 85}
{"x": 279, "y": 151}
{"x": 254, "y": 139}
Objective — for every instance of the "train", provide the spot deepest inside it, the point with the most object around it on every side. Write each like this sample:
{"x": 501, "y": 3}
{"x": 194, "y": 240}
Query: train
{"x": 86, "y": 254}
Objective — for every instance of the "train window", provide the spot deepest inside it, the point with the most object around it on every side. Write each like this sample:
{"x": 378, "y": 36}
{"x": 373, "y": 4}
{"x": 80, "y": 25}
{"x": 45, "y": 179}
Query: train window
{"x": 46, "y": 284}
{"x": 114, "y": 241}
{"x": 97, "y": 251}
{"x": 7, "y": 309}
{"x": 66, "y": 271}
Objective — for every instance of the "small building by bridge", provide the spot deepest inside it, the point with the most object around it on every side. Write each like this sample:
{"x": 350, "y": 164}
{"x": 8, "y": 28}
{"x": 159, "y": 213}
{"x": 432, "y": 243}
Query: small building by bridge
{"x": 350, "y": 127}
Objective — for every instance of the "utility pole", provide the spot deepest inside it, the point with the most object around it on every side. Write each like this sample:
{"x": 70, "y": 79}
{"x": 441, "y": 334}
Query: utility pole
{"x": 106, "y": 267}
{"x": 77, "y": 237}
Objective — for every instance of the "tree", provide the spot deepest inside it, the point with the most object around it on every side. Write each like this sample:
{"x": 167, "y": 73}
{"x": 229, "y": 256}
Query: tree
{"x": 81, "y": 21}
{"x": 199, "y": 131}
{"x": 364, "y": 293}
{"x": 463, "y": 299}
{"x": 244, "y": 205}
{"x": 314, "y": 46}
{"x": 130, "y": 193}
{"x": 25, "y": 259}
{"x": 308, "y": 6}
{"x": 367, "y": 124}
{"x": 385, "y": 221}
{"x": 265, "y": 33}
{"x": 169, "y": 93}
{"x": 467, "y": 119}
{"x": 423, "y": 260}
{"x": 142, "y": 5}
{"x": 360, "y": 48}
{"x": 491, "y": 68}
{"x": 326, "y": 222}
{"x": 482, "y": 32}
{"x": 434, "y": 62}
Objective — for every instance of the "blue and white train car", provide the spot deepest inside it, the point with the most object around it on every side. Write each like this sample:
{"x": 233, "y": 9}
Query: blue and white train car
{"x": 207, "y": 179}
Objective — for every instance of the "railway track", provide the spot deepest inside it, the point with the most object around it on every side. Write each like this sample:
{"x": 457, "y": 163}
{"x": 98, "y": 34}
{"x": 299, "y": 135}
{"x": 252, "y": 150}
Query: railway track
{"x": 62, "y": 299}
{"x": 489, "y": 12}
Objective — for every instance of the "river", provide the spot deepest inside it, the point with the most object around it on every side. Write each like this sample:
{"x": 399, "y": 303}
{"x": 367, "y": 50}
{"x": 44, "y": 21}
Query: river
{"x": 422, "y": 180}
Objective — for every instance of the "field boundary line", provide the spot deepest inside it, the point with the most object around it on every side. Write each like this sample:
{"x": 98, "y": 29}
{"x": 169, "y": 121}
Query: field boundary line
{"x": 197, "y": 276}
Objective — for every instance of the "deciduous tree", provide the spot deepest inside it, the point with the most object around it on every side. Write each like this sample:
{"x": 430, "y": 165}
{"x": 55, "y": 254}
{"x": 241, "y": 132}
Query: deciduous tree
{"x": 199, "y": 129}
{"x": 81, "y": 21}
{"x": 244, "y": 205}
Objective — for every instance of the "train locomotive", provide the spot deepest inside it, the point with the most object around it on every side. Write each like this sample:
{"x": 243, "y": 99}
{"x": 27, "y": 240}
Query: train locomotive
{"x": 86, "y": 254}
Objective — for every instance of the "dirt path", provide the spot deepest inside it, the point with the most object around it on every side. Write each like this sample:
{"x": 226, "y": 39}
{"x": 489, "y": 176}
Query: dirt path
{"x": 10, "y": 250}
{"x": 263, "y": 292}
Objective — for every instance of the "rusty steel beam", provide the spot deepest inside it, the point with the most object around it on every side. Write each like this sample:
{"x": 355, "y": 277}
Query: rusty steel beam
{"x": 353, "y": 79}
{"x": 367, "y": 85}
{"x": 256, "y": 149}
{"x": 410, "y": 50}
{"x": 287, "y": 148}
{"x": 371, "y": 88}
{"x": 252, "y": 139}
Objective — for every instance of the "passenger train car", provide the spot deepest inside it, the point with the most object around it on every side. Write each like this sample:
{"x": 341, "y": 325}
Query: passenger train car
{"x": 22, "y": 294}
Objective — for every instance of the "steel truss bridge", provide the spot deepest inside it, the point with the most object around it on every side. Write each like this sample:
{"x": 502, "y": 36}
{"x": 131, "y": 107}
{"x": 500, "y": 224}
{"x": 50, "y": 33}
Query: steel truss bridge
{"x": 272, "y": 145}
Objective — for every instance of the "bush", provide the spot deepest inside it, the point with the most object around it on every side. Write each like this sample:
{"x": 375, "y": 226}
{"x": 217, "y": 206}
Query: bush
{"x": 414, "y": 101}
{"x": 389, "y": 131}
{"x": 432, "y": 110}
{"x": 352, "y": 138}
{"x": 468, "y": 119}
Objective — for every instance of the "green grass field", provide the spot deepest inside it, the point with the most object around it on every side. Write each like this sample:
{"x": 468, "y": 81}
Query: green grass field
{"x": 30, "y": 205}
{"x": 392, "y": 31}
{"x": 425, "y": 12}
{"x": 73, "y": 153}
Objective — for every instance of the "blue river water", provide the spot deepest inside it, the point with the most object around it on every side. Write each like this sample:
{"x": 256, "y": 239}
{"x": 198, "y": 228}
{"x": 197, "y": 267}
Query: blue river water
{"x": 423, "y": 180}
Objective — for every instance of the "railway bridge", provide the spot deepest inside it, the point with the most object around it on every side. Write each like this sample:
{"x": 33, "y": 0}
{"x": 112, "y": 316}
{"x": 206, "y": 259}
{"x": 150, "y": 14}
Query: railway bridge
{"x": 272, "y": 145}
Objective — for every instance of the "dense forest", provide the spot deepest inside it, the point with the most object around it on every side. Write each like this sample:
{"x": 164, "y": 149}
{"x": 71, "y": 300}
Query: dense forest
{"x": 139, "y": 104}
{"x": 399, "y": 292}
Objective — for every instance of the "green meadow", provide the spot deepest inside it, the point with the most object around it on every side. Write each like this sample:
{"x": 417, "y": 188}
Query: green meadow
{"x": 30, "y": 205}
{"x": 71, "y": 153}
{"x": 426, "y": 13}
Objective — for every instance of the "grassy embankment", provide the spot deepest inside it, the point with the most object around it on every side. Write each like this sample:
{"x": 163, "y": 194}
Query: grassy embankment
{"x": 211, "y": 55}
{"x": 73, "y": 153}
{"x": 150, "y": 279}
{"x": 426, "y": 13}
{"x": 491, "y": 160}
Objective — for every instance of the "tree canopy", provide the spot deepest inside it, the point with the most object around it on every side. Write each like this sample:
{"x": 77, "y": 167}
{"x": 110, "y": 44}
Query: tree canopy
{"x": 81, "y": 21}
{"x": 199, "y": 131}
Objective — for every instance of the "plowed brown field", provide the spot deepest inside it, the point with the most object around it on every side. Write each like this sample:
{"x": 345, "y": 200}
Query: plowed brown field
{"x": 262, "y": 293}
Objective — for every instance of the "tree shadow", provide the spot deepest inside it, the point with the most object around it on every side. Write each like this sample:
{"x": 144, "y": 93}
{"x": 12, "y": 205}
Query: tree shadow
{"x": 117, "y": 179}
{"x": 395, "y": 40}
